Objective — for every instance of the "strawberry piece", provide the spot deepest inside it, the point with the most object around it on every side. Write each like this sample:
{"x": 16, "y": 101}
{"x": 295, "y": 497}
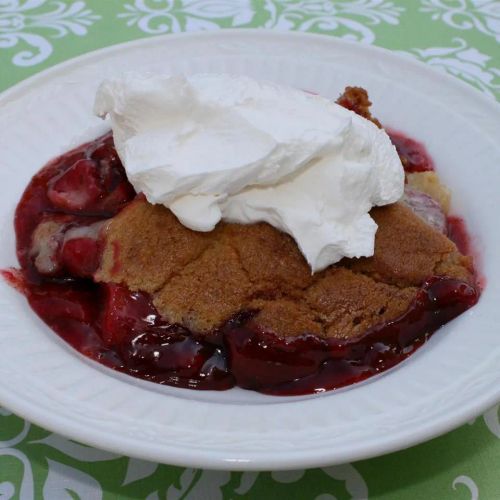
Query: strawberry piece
{"x": 81, "y": 256}
{"x": 413, "y": 154}
{"x": 118, "y": 190}
{"x": 106, "y": 154}
{"x": 117, "y": 198}
{"x": 76, "y": 188}
{"x": 126, "y": 312}
{"x": 147, "y": 343}
{"x": 426, "y": 208}
{"x": 56, "y": 303}
{"x": 167, "y": 351}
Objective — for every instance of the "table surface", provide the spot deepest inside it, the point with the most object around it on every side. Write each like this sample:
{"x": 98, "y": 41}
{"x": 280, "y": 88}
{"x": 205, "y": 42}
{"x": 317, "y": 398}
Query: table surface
{"x": 461, "y": 37}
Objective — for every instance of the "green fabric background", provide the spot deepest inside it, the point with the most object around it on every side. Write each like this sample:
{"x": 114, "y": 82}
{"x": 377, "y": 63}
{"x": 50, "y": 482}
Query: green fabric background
{"x": 461, "y": 37}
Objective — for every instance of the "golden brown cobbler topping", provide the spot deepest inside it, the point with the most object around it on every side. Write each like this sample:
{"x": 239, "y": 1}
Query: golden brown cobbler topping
{"x": 202, "y": 279}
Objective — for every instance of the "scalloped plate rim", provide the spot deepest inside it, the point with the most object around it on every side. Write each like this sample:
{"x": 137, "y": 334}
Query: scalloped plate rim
{"x": 220, "y": 460}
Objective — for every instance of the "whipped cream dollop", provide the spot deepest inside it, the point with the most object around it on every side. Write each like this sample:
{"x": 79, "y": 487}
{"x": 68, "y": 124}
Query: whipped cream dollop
{"x": 214, "y": 146}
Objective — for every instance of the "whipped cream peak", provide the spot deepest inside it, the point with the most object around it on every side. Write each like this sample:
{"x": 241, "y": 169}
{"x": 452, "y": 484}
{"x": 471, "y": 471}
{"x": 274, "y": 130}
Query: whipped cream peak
{"x": 216, "y": 146}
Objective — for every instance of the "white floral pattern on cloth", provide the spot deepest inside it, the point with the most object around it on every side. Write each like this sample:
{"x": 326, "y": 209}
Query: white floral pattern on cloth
{"x": 8, "y": 449}
{"x": 468, "y": 483}
{"x": 481, "y": 15}
{"x": 354, "y": 483}
{"x": 492, "y": 420}
{"x": 62, "y": 481}
{"x": 465, "y": 62}
{"x": 168, "y": 16}
{"x": 196, "y": 484}
{"x": 70, "y": 465}
{"x": 348, "y": 19}
{"x": 465, "y": 34}
{"x": 33, "y": 31}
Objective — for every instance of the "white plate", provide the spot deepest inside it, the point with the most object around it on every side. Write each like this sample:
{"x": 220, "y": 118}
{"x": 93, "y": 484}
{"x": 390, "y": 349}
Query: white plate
{"x": 451, "y": 379}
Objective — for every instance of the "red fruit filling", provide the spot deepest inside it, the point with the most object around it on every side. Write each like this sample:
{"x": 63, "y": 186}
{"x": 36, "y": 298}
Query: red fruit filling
{"x": 413, "y": 154}
{"x": 81, "y": 256}
{"x": 260, "y": 361}
{"x": 126, "y": 313}
{"x": 58, "y": 224}
{"x": 457, "y": 232}
{"x": 77, "y": 188}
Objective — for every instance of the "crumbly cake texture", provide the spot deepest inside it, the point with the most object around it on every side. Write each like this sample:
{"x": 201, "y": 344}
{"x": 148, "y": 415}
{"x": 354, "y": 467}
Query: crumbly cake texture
{"x": 356, "y": 99}
{"x": 201, "y": 280}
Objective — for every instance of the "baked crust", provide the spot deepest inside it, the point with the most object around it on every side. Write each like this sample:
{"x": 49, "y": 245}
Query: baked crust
{"x": 201, "y": 280}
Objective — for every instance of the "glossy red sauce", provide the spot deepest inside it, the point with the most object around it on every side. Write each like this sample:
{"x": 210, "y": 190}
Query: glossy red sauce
{"x": 413, "y": 154}
{"x": 457, "y": 232}
{"x": 123, "y": 330}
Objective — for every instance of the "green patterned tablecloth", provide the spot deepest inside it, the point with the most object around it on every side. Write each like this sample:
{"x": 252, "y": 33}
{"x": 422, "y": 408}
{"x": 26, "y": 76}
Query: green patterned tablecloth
{"x": 461, "y": 37}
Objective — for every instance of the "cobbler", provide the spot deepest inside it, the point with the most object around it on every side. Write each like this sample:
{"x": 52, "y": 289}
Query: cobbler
{"x": 126, "y": 284}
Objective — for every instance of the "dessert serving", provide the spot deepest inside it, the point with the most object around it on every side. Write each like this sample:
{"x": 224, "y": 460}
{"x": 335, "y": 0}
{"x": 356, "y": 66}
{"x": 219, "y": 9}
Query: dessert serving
{"x": 235, "y": 233}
